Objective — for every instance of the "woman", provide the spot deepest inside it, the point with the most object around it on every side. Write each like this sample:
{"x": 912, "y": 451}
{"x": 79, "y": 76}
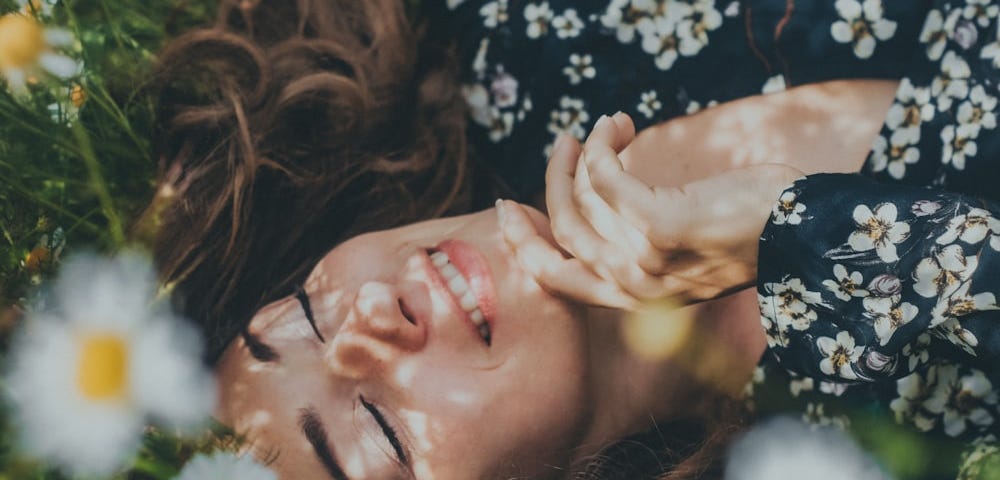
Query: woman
{"x": 352, "y": 125}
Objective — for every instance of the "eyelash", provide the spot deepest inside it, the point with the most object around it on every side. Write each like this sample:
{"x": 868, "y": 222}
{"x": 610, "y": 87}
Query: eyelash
{"x": 387, "y": 429}
{"x": 303, "y": 298}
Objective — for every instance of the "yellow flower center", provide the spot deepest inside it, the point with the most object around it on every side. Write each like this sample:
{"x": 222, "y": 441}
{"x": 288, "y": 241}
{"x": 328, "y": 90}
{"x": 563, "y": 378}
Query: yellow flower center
{"x": 78, "y": 96}
{"x": 22, "y": 40}
{"x": 103, "y": 368}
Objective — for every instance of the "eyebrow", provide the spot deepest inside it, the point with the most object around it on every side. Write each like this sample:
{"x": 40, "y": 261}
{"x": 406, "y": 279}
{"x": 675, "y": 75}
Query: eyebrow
{"x": 315, "y": 433}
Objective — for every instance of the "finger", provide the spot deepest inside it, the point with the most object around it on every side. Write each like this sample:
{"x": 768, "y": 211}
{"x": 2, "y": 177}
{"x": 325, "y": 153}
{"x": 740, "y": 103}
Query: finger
{"x": 653, "y": 211}
{"x": 570, "y": 229}
{"x": 614, "y": 228}
{"x": 606, "y": 132}
{"x": 566, "y": 277}
{"x": 626, "y": 129}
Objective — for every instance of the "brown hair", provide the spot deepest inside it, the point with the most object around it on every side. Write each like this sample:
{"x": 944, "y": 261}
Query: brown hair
{"x": 292, "y": 125}
{"x": 286, "y": 128}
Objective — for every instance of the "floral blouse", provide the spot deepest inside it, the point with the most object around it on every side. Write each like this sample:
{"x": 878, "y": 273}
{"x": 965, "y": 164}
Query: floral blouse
{"x": 877, "y": 290}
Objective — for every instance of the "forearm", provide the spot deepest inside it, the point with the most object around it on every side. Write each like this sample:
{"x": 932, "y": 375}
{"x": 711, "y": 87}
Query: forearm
{"x": 826, "y": 127}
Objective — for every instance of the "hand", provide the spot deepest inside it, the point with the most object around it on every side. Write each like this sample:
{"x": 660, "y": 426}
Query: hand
{"x": 624, "y": 241}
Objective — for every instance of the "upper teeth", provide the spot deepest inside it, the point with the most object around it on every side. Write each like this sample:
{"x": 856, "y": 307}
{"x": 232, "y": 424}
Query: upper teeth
{"x": 460, "y": 287}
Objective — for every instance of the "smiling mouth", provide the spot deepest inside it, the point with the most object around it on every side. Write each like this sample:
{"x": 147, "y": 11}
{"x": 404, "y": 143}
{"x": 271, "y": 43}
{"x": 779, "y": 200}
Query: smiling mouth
{"x": 462, "y": 292}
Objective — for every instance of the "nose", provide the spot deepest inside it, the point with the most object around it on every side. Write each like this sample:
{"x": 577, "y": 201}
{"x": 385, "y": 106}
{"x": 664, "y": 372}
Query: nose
{"x": 377, "y": 331}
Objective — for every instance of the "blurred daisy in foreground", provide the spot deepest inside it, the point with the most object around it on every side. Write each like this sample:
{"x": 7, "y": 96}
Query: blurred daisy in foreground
{"x": 28, "y": 49}
{"x": 224, "y": 466}
{"x": 98, "y": 361}
{"x": 787, "y": 449}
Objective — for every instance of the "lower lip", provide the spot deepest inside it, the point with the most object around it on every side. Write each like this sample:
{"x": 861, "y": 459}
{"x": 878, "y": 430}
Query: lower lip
{"x": 471, "y": 263}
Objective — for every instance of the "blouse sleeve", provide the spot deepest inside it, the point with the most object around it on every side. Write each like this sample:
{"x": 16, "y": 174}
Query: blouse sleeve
{"x": 861, "y": 281}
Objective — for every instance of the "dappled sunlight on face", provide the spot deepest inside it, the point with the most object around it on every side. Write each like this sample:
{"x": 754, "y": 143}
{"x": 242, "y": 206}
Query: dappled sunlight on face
{"x": 404, "y": 384}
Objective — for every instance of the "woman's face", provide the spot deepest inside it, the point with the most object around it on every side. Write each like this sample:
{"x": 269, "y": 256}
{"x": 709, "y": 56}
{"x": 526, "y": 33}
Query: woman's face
{"x": 407, "y": 382}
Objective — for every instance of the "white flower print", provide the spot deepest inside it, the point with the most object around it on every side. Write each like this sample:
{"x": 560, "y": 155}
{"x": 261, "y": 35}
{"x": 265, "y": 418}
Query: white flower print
{"x": 953, "y": 331}
{"x": 962, "y": 400}
{"x": 913, "y": 391}
{"x": 953, "y": 82}
{"x": 885, "y": 285}
{"x": 479, "y": 62}
{"x": 840, "y": 353}
{"x": 980, "y": 11}
{"x": 694, "y": 29}
{"x": 992, "y": 52}
{"x": 649, "y": 104}
{"x": 922, "y": 208}
{"x": 478, "y": 100}
{"x": 791, "y": 302}
{"x": 888, "y": 315}
{"x": 569, "y": 118}
{"x": 942, "y": 274}
{"x": 787, "y": 210}
{"x": 774, "y": 84}
{"x": 878, "y": 230}
{"x": 971, "y": 227}
{"x": 959, "y": 144}
{"x": 504, "y": 89}
{"x": 862, "y": 24}
{"x": 935, "y": 32}
{"x": 494, "y": 13}
{"x": 568, "y": 25}
{"x": 978, "y": 110}
{"x": 623, "y": 16}
{"x": 538, "y": 17}
{"x": 960, "y": 304}
{"x": 798, "y": 385}
{"x": 501, "y": 124}
{"x": 660, "y": 39}
{"x": 845, "y": 285}
{"x": 579, "y": 68}
{"x": 912, "y": 107}
{"x": 695, "y": 107}
{"x": 916, "y": 352}
{"x": 894, "y": 157}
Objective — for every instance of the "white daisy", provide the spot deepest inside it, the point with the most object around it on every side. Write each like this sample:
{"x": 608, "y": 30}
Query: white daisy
{"x": 941, "y": 274}
{"x": 844, "y": 285}
{"x": 649, "y": 104}
{"x": 789, "y": 304}
{"x": 878, "y": 230}
{"x": 912, "y": 107}
{"x": 840, "y": 353}
{"x": 624, "y": 16}
{"x": 494, "y": 13}
{"x": 579, "y": 68}
{"x": 569, "y": 118}
{"x": 27, "y": 49}
{"x": 979, "y": 109}
{"x": 224, "y": 466}
{"x": 894, "y": 157}
{"x": 959, "y": 144}
{"x": 659, "y": 38}
{"x": 955, "y": 333}
{"x": 538, "y": 17}
{"x": 785, "y": 448}
{"x": 962, "y": 400}
{"x": 862, "y": 24}
{"x": 971, "y": 227}
{"x": 567, "y": 25}
{"x": 913, "y": 391}
{"x": 91, "y": 368}
{"x": 916, "y": 352}
{"x": 788, "y": 210}
{"x": 888, "y": 315}
{"x": 960, "y": 304}
{"x": 980, "y": 11}
{"x": 935, "y": 32}
{"x": 953, "y": 81}
{"x": 693, "y": 30}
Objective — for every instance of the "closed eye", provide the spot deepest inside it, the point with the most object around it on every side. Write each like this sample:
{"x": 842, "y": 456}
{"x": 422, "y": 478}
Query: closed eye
{"x": 303, "y": 298}
{"x": 388, "y": 431}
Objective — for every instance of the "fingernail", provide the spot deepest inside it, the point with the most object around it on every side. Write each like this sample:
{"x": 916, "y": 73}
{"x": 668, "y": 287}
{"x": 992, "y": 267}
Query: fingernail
{"x": 501, "y": 214}
{"x": 601, "y": 121}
